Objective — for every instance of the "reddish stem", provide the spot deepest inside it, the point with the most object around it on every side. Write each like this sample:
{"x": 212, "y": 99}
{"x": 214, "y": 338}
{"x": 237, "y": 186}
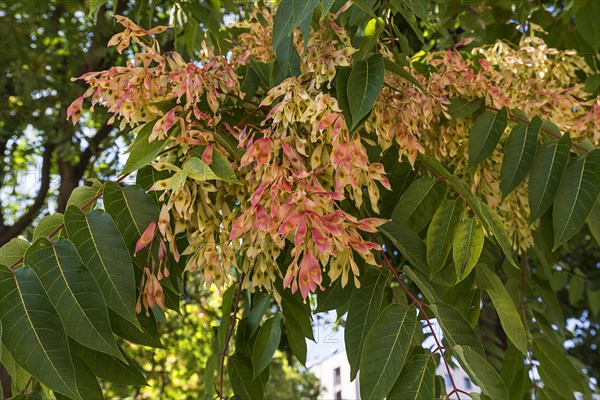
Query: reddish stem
{"x": 24, "y": 391}
{"x": 230, "y": 334}
{"x": 420, "y": 307}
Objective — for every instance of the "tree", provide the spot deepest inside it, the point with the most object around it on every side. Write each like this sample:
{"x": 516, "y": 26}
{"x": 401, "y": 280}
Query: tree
{"x": 318, "y": 159}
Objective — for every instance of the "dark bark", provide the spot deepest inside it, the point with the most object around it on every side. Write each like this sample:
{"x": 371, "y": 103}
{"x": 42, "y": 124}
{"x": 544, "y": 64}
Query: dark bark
{"x": 9, "y": 232}
{"x": 5, "y": 380}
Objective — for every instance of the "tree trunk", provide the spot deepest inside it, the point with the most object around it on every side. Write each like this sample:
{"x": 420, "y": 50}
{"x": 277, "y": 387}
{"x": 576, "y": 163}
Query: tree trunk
{"x": 70, "y": 177}
{"x": 5, "y": 380}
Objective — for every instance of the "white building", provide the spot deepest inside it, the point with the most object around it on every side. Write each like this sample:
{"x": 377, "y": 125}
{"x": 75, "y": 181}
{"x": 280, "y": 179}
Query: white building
{"x": 334, "y": 376}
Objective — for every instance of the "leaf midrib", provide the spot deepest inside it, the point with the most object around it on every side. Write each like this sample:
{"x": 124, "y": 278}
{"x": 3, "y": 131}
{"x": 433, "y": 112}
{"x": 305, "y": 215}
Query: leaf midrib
{"x": 562, "y": 233}
{"x": 36, "y": 334}
{"x": 58, "y": 264}
{"x": 99, "y": 257}
{"x": 400, "y": 330}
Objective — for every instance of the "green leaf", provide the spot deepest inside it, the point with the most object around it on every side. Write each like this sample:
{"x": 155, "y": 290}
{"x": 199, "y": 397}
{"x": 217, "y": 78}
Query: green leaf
{"x": 33, "y": 331}
{"x": 195, "y": 168}
{"x": 556, "y": 370}
{"x": 73, "y": 292}
{"x": 12, "y": 251}
{"x": 333, "y": 297}
{"x": 592, "y": 83}
{"x": 290, "y": 14}
{"x": 455, "y": 182}
{"x": 296, "y": 339}
{"x": 422, "y": 282}
{"x": 35, "y": 395}
{"x": 401, "y": 72}
{"x": 507, "y": 311}
{"x": 18, "y": 376}
{"x": 416, "y": 381}
{"x": 83, "y": 194}
{"x": 147, "y": 176}
{"x": 220, "y": 166}
{"x": 586, "y": 22}
{"x": 95, "y": 6}
{"x": 441, "y": 231}
{"x": 267, "y": 340}
{"x": 226, "y": 305}
{"x": 364, "y": 7}
{"x": 514, "y": 374}
{"x": 260, "y": 304}
{"x": 240, "y": 375}
{"x": 576, "y": 289}
{"x": 546, "y": 172}
{"x": 593, "y": 221}
{"x": 132, "y": 210}
{"x": 364, "y": 84}
{"x": 288, "y": 59}
{"x": 400, "y": 175}
{"x": 363, "y": 310}
{"x": 576, "y": 196}
{"x": 492, "y": 223}
{"x": 325, "y": 7}
{"x": 341, "y": 87}
{"x": 519, "y": 152}
{"x": 481, "y": 372}
{"x": 47, "y": 225}
{"x": 408, "y": 243}
{"x": 490, "y": 220}
{"x": 407, "y": 10}
{"x": 461, "y": 108}
{"x": 419, "y": 202}
{"x": 148, "y": 336}
{"x": 141, "y": 151}
{"x": 209, "y": 376}
{"x": 87, "y": 383}
{"x": 457, "y": 330}
{"x": 466, "y": 300}
{"x": 294, "y": 308}
{"x": 103, "y": 251}
{"x": 385, "y": 351}
{"x": 467, "y": 247}
{"x": 485, "y": 133}
{"x": 110, "y": 368}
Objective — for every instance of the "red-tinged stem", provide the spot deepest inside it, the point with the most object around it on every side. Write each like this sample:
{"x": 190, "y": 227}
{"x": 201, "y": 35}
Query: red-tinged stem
{"x": 420, "y": 307}
{"x": 62, "y": 225}
{"x": 247, "y": 116}
{"x": 24, "y": 391}
{"x": 525, "y": 121}
{"x": 457, "y": 391}
{"x": 523, "y": 314}
{"x": 230, "y": 334}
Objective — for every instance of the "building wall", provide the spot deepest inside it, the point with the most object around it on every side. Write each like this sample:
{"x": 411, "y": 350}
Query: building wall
{"x": 325, "y": 371}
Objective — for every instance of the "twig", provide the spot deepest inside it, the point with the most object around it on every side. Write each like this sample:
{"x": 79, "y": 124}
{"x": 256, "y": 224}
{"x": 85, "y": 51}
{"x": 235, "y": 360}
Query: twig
{"x": 230, "y": 334}
{"x": 420, "y": 307}
{"x": 24, "y": 390}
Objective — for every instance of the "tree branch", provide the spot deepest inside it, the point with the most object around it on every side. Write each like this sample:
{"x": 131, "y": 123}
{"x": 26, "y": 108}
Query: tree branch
{"x": 26, "y": 219}
{"x": 2, "y": 150}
